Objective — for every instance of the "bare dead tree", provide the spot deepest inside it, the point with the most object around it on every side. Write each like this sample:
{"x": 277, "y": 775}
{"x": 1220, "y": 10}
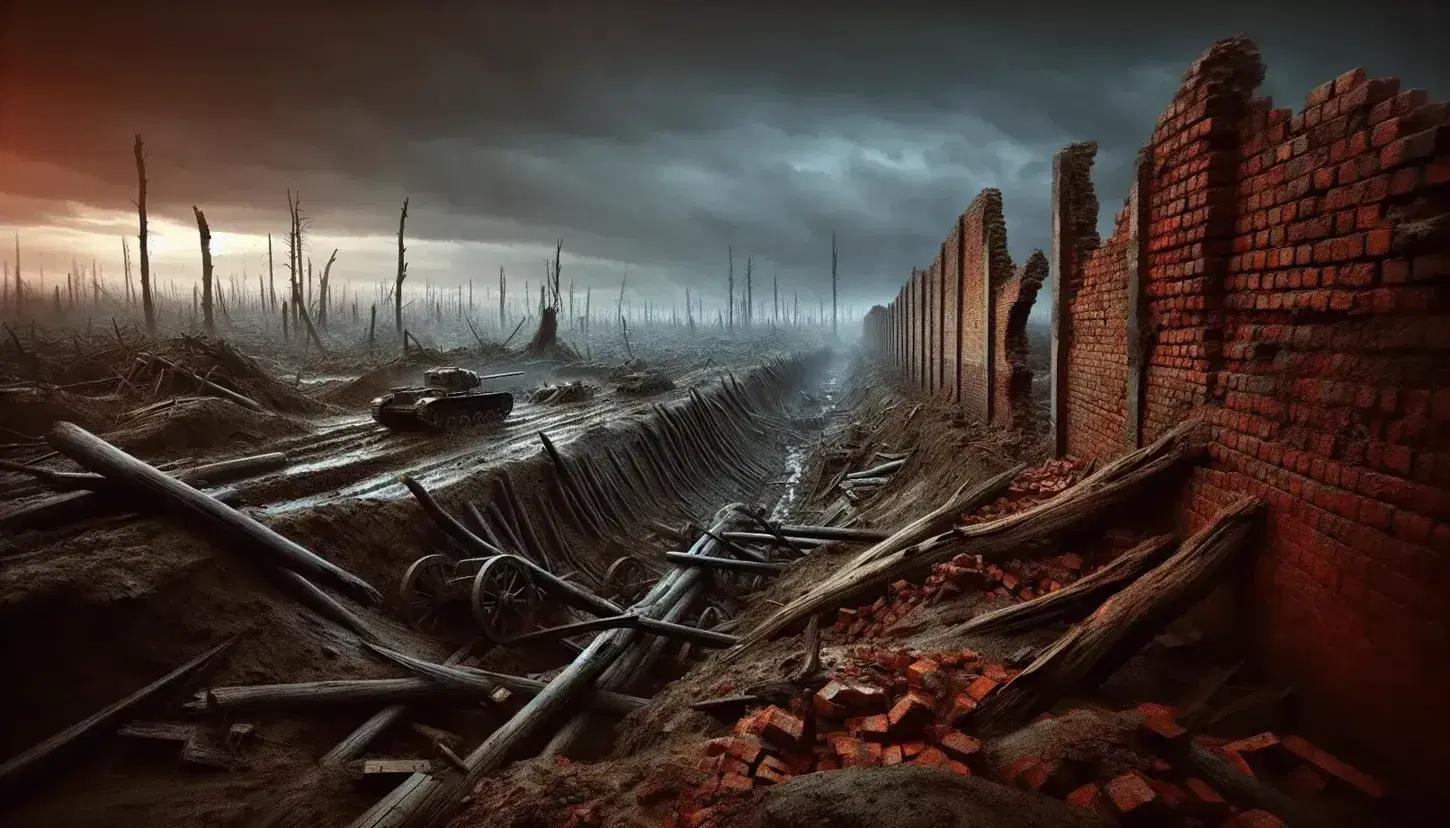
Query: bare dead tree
{"x": 322, "y": 289}
{"x": 730, "y": 289}
{"x": 833, "y": 284}
{"x": 402, "y": 272}
{"x": 208, "y": 322}
{"x": 503, "y": 287}
{"x": 271, "y": 278}
{"x": 749, "y": 291}
{"x": 147, "y": 307}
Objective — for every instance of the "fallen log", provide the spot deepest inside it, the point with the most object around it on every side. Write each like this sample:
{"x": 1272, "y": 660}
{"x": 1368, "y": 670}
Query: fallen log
{"x": 205, "y": 384}
{"x": 485, "y": 681}
{"x": 916, "y": 547}
{"x": 628, "y": 620}
{"x": 103, "y": 498}
{"x": 225, "y": 525}
{"x": 450, "y": 524}
{"x": 1073, "y": 602}
{"x": 880, "y": 471}
{"x": 354, "y": 743}
{"x": 29, "y": 765}
{"x": 731, "y": 564}
{"x": 830, "y": 533}
{"x": 1093, "y": 649}
{"x": 796, "y": 545}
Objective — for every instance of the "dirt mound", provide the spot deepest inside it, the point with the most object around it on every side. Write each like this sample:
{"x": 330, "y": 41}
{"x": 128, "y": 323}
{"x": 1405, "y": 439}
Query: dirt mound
{"x": 650, "y": 381}
{"x": 903, "y": 797}
{"x": 1098, "y": 740}
{"x": 30, "y": 412}
{"x": 374, "y": 383}
{"x": 190, "y": 424}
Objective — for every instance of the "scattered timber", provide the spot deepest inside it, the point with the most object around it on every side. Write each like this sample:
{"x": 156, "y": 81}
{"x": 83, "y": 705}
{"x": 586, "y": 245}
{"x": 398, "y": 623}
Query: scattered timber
{"x": 1074, "y": 602}
{"x": 1092, "y": 650}
{"x": 731, "y": 564}
{"x": 46, "y": 756}
{"x": 203, "y": 383}
{"x": 226, "y": 525}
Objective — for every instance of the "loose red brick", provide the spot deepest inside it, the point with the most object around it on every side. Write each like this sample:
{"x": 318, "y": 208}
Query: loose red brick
{"x": 1039, "y": 775}
{"x": 1161, "y": 711}
{"x": 715, "y": 747}
{"x": 892, "y": 755}
{"x": 710, "y": 764}
{"x": 931, "y": 758}
{"x": 873, "y": 728}
{"x": 922, "y": 671}
{"x": 827, "y": 710}
{"x": 735, "y": 783}
{"x": 1131, "y": 793}
{"x": 780, "y": 727}
{"x": 1088, "y": 797}
{"x": 703, "y": 818}
{"x": 772, "y": 771}
{"x": 959, "y": 745}
{"x": 910, "y": 715}
{"x": 1019, "y": 766}
{"x": 996, "y": 671}
{"x": 1262, "y": 752}
{"x": 1071, "y": 562}
{"x": 729, "y": 764}
{"x": 912, "y": 749}
{"x": 745, "y": 749}
{"x": 1239, "y": 763}
{"x": 962, "y": 708}
{"x": 824, "y": 765}
{"x": 1203, "y": 801}
{"x": 1162, "y": 730}
{"x": 1334, "y": 767}
{"x": 981, "y": 688}
{"x": 752, "y": 724}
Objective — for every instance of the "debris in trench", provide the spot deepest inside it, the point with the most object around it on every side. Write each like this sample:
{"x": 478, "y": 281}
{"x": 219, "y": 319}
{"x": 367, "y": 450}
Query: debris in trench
{"x": 649, "y": 381}
{"x": 569, "y": 392}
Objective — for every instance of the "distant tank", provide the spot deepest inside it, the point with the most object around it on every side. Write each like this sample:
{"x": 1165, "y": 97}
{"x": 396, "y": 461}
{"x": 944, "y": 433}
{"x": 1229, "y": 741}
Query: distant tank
{"x": 446, "y": 400}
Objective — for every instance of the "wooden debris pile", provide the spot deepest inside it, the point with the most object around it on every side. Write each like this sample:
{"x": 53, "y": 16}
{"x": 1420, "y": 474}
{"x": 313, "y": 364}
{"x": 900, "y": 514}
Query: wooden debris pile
{"x": 648, "y": 381}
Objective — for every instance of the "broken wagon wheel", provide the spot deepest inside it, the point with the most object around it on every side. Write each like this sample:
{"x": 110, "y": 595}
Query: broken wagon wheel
{"x": 626, "y": 581}
{"x": 424, "y": 589}
{"x": 504, "y": 598}
{"x": 710, "y": 617}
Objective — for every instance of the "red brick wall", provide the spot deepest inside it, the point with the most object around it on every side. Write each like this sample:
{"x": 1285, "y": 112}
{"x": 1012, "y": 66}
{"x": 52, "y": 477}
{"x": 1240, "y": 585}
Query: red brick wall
{"x": 1095, "y": 291}
{"x": 933, "y": 327}
{"x": 1012, "y": 375}
{"x": 951, "y": 258}
{"x": 913, "y": 330}
{"x": 973, "y": 314}
{"x": 1297, "y": 300}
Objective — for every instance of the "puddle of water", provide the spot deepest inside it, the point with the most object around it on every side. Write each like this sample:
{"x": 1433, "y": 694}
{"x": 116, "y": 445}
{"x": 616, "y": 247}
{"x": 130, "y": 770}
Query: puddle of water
{"x": 795, "y": 459}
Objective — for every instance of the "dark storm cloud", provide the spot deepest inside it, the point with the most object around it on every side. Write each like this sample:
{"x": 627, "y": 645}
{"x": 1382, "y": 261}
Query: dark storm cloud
{"x": 651, "y": 134}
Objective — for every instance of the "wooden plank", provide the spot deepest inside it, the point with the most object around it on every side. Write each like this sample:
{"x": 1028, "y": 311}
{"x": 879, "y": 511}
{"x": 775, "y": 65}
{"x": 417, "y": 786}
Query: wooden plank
{"x": 159, "y": 731}
{"x": 375, "y": 767}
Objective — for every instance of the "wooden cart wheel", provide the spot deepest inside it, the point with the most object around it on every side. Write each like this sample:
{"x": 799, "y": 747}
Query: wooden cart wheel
{"x": 424, "y": 590}
{"x": 626, "y": 581}
{"x": 504, "y": 598}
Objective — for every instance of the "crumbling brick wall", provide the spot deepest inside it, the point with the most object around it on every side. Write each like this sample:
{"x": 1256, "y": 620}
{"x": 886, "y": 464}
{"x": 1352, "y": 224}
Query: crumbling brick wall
{"x": 951, "y": 261}
{"x": 933, "y": 326}
{"x": 1094, "y": 291}
{"x": 1294, "y": 297}
{"x": 1012, "y": 374}
{"x": 944, "y": 312}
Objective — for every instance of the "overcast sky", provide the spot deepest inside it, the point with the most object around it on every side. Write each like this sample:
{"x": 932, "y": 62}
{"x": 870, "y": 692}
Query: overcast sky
{"x": 640, "y": 134}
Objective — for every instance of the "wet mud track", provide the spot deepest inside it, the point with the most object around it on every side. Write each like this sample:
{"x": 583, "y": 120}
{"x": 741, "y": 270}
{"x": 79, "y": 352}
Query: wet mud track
{"x": 354, "y": 457}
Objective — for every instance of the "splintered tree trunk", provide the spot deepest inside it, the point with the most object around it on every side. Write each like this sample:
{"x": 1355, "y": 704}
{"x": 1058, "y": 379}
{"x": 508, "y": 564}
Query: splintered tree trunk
{"x": 208, "y": 322}
{"x": 1094, "y": 649}
{"x": 271, "y": 277}
{"x": 146, "y": 305}
{"x": 402, "y": 272}
{"x": 322, "y": 290}
{"x": 1073, "y": 602}
{"x": 372, "y": 325}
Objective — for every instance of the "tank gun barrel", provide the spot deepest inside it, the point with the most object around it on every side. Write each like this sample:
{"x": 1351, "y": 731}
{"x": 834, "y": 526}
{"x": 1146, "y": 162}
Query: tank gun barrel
{"x": 503, "y": 375}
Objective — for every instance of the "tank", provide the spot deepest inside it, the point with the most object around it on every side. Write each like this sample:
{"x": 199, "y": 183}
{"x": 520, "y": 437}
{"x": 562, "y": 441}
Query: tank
{"x": 449, "y": 399}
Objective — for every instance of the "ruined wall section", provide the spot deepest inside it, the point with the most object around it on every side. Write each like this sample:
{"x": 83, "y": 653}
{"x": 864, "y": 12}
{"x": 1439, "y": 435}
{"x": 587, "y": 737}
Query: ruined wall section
{"x": 973, "y": 313}
{"x": 934, "y": 327}
{"x": 1335, "y": 409}
{"x": 1012, "y": 375}
{"x": 952, "y": 297}
{"x": 1094, "y": 294}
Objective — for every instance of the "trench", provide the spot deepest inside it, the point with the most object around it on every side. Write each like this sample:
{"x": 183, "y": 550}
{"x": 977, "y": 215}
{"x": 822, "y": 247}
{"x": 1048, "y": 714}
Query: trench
{"x": 612, "y": 491}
